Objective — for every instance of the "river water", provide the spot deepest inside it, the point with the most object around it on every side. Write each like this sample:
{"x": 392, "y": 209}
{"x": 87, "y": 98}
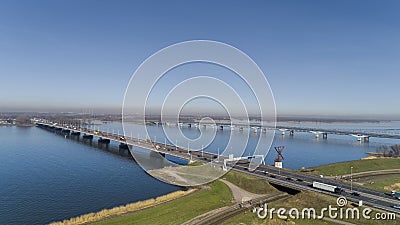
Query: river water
{"x": 45, "y": 177}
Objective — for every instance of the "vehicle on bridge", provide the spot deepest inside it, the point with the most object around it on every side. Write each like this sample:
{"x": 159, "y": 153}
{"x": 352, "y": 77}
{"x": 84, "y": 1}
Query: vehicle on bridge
{"x": 396, "y": 194}
{"x": 327, "y": 187}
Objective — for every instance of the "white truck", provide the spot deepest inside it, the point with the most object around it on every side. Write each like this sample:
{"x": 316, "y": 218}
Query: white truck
{"x": 326, "y": 187}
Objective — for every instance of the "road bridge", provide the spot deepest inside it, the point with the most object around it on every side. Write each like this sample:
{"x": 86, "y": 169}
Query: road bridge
{"x": 283, "y": 177}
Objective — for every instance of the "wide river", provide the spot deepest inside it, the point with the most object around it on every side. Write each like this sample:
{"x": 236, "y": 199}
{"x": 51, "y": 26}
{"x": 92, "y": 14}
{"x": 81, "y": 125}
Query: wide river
{"x": 45, "y": 177}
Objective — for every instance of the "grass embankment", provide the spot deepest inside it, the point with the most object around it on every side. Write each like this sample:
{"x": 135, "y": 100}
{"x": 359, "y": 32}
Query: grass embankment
{"x": 180, "y": 210}
{"x": 300, "y": 201}
{"x": 249, "y": 183}
{"x": 343, "y": 168}
{"x": 177, "y": 207}
{"x": 120, "y": 210}
{"x": 383, "y": 183}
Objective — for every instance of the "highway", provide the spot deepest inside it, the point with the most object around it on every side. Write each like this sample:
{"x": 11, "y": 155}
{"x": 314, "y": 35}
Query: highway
{"x": 283, "y": 177}
{"x": 300, "y": 181}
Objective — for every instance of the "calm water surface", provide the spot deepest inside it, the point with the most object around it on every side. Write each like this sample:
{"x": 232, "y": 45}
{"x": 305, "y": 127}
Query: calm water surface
{"x": 45, "y": 177}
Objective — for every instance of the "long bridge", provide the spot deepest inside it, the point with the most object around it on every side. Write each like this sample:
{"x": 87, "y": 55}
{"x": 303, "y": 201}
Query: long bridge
{"x": 256, "y": 127}
{"x": 106, "y": 137}
{"x": 281, "y": 177}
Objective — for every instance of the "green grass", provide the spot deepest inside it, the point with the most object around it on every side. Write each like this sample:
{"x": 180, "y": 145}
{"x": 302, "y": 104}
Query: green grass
{"x": 196, "y": 163}
{"x": 379, "y": 183}
{"x": 181, "y": 210}
{"x": 342, "y": 168}
{"x": 249, "y": 183}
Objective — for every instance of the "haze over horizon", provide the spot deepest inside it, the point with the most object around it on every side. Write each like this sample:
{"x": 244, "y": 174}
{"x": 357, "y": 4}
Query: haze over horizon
{"x": 336, "y": 59}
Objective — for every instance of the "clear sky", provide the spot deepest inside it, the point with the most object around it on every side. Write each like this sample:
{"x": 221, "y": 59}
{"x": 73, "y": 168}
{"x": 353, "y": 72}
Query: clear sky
{"x": 320, "y": 57}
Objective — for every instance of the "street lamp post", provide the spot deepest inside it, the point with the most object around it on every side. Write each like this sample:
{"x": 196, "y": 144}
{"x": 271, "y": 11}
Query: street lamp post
{"x": 351, "y": 179}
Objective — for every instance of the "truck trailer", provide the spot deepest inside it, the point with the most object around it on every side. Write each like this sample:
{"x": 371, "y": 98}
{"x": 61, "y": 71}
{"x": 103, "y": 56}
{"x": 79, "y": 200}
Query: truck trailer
{"x": 327, "y": 187}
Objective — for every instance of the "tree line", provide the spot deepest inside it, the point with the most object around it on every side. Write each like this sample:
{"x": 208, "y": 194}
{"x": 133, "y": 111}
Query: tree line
{"x": 389, "y": 151}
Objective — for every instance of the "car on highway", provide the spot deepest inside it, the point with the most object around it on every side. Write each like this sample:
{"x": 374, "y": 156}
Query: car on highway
{"x": 396, "y": 206}
{"x": 355, "y": 194}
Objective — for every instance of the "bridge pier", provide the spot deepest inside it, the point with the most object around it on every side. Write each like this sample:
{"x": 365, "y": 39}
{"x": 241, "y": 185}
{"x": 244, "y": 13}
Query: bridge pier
{"x": 122, "y": 148}
{"x": 104, "y": 141}
{"x": 87, "y": 136}
{"x": 366, "y": 139}
{"x": 291, "y": 132}
{"x": 325, "y": 135}
{"x": 75, "y": 133}
{"x": 65, "y": 131}
{"x": 189, "y": 125}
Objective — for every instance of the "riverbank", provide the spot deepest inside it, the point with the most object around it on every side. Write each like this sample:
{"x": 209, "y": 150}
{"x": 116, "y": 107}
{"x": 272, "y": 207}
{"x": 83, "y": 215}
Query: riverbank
{"x": 122, "y": 210}
{"x": 216, "y": 195}
{"x": 189, "y": 205}
{"x": 364, "y": 165}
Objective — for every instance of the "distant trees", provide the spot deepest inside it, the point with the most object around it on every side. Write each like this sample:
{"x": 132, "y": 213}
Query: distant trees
{"x": 22, "y": 120}
{"x": 389, "y": 151}
{"x": 395, "y": 149}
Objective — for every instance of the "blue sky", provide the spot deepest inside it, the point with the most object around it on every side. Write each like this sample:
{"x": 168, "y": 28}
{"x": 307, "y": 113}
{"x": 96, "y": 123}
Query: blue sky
{"x": 332, "y": 58}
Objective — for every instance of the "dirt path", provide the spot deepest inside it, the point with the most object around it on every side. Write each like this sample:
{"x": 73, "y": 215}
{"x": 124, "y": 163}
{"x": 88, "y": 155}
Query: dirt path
{"x": 239, "y": 194}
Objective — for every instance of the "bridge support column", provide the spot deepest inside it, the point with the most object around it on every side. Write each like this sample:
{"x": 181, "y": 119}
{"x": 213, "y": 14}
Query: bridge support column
{"x": 189, "y": 125}
{"x": 122, "y": 148}
{"x": 87, "y": 136}
{"x": 291, "y": 132}
{"x": 366, "y": 139}
{"x": 75, "y": 133}
{"x": 325, "y": 135}
{"x": 104, "y": 141}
